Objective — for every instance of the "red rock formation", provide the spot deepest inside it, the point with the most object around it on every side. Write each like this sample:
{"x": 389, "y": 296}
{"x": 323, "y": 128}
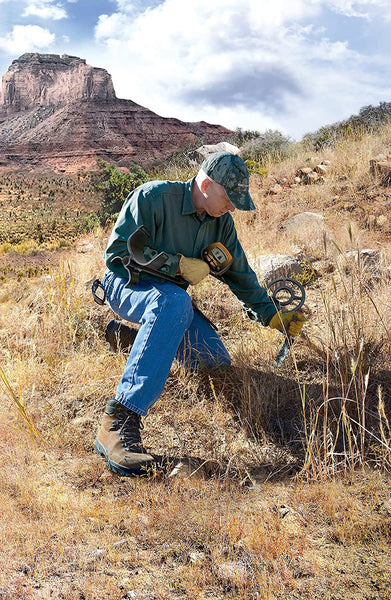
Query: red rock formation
{"x": 60, "y": 112}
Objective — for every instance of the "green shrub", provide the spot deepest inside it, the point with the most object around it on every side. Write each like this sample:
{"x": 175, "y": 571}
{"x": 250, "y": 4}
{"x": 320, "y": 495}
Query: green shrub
{"x": 369, "y": 120}
{"x": 242, "y": 136}
{"x": 116, "y": 186}
{"x": 255, "y": 168}
{"x": 271, "y": 145}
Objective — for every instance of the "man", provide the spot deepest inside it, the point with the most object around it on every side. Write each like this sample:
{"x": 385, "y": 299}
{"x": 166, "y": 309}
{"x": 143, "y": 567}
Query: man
{"x": 183, "y": 218}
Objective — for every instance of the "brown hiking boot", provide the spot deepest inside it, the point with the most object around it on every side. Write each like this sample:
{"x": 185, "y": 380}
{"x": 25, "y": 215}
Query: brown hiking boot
{"x": 119, "y": 440}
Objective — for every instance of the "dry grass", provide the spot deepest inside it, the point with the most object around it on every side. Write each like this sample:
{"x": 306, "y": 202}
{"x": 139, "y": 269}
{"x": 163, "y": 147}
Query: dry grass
{"x": 284, "y": 487}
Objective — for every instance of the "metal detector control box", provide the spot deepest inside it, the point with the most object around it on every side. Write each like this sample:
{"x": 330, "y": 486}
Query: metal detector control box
{"x": 218, "y": 258}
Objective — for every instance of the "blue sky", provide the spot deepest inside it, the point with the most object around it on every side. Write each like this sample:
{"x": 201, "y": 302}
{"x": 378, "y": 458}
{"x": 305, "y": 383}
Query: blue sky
{"x": 291, "y": 65}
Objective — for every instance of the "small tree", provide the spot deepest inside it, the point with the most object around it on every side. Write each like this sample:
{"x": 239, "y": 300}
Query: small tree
{"x": 244, "y": 135}
{"x": 116, "y": 186}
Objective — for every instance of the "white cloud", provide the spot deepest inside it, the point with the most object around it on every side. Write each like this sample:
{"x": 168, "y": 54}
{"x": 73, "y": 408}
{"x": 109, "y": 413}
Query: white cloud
{"x": 45, "y": 9}
{"x": 136, "y": 6}
{"x": 26, "y": 38}
{"x": 109, "y": 27}
{"x": 365, "y": 9}
{"x": 231, "y": 61}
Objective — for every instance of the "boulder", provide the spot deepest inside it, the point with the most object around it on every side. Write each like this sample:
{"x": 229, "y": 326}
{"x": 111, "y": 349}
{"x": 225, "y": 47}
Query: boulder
{"x": 274, "y": 266}
{"x": 305, "y": 220}
{"x": 204, "y": 151}
{"x": 380, "y": 166}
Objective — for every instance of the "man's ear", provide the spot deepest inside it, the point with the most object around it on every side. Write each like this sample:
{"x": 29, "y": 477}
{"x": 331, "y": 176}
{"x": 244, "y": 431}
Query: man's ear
{"x": 205, "y": 183}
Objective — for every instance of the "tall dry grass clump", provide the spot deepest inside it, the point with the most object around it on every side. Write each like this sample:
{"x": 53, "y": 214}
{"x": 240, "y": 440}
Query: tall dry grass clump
{"x": 52, "y": 351}
{"x": 340, "y": 407}
{"x": 348, "y": 426}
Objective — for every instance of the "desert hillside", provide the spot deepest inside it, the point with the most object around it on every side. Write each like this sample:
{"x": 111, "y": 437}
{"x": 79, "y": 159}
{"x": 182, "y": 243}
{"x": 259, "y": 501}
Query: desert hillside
{"x": 57, "y": 111}
{"x": 269, "y": 484}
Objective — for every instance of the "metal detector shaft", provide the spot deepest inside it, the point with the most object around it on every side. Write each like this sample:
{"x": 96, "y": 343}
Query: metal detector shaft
{"x": 283, "y": 351}
{"x": 135, "y": 262}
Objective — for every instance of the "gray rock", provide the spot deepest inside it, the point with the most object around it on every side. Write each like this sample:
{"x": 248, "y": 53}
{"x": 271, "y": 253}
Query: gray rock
{"x": 236, "y": 571}
{"x": 304, "y": 220}
{"x": 367, "y": 256}
{"x": 97, "y": 553}
{"x": 274, "y": 266}
{"x": 371, "y": 261}
{"x": 321, "y": 169}
{"x": 204, "y": 151}
{"x": 197, "y": 557}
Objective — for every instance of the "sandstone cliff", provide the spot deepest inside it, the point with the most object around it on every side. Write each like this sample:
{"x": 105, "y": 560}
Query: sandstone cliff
{"x": 50, "y": 80}
{"x": 60, "y": 112}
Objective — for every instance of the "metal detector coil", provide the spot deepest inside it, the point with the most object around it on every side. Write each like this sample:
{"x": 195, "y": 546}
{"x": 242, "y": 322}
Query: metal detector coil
{"x": 287, "y": 294}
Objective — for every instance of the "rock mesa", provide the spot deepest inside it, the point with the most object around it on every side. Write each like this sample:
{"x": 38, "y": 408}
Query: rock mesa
{"x": 57, "y": 111}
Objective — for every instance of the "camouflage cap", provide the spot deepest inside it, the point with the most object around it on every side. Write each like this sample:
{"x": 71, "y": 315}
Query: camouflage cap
{"x": 230, "y": 171}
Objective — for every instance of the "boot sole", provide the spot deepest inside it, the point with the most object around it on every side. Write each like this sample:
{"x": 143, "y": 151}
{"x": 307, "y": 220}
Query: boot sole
{"x": 120, "y": 469}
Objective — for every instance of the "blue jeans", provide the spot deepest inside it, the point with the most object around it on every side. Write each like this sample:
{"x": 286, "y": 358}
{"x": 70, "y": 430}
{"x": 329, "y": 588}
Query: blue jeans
{"x": 170, "y": 328}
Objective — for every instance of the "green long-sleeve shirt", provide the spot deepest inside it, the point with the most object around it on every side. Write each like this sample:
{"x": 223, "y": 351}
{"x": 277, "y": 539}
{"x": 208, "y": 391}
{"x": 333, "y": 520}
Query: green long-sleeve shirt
{"x": 166, "y": 209}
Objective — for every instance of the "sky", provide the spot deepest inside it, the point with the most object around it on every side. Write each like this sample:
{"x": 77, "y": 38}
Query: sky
{"x": 287, "y": 65}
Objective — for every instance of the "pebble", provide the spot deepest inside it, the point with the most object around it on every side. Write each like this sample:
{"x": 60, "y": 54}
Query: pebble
{"x": 97, "y": 552}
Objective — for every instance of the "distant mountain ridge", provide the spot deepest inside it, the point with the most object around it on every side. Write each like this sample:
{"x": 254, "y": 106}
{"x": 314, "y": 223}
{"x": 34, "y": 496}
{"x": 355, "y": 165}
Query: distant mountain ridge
{"x": 60, "y": 112}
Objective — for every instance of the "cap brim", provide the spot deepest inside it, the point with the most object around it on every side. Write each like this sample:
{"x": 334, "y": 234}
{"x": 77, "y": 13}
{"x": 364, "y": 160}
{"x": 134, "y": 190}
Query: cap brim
{"x": 240, "y": 201}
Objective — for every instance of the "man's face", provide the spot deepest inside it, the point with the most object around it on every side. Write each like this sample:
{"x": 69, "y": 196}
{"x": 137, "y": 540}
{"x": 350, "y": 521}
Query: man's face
{"x": 216, "y": 202}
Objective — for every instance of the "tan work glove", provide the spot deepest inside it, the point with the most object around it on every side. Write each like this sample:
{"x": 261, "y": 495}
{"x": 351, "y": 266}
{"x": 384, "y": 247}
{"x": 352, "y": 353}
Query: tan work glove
{"x": 192, "y": 270}
{"x": 290, "y": 323}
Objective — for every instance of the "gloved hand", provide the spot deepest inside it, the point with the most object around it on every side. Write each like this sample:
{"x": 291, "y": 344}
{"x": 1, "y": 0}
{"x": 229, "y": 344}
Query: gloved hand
{"x": 290, "y": 323}
{"x": 192, "y": 270}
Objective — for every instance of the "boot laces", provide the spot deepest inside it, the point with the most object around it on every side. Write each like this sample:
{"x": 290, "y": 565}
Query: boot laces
{"x": 129, "y": 425}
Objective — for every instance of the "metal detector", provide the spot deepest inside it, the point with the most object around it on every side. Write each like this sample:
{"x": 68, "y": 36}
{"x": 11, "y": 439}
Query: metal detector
{"x": 288, "y": 295}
